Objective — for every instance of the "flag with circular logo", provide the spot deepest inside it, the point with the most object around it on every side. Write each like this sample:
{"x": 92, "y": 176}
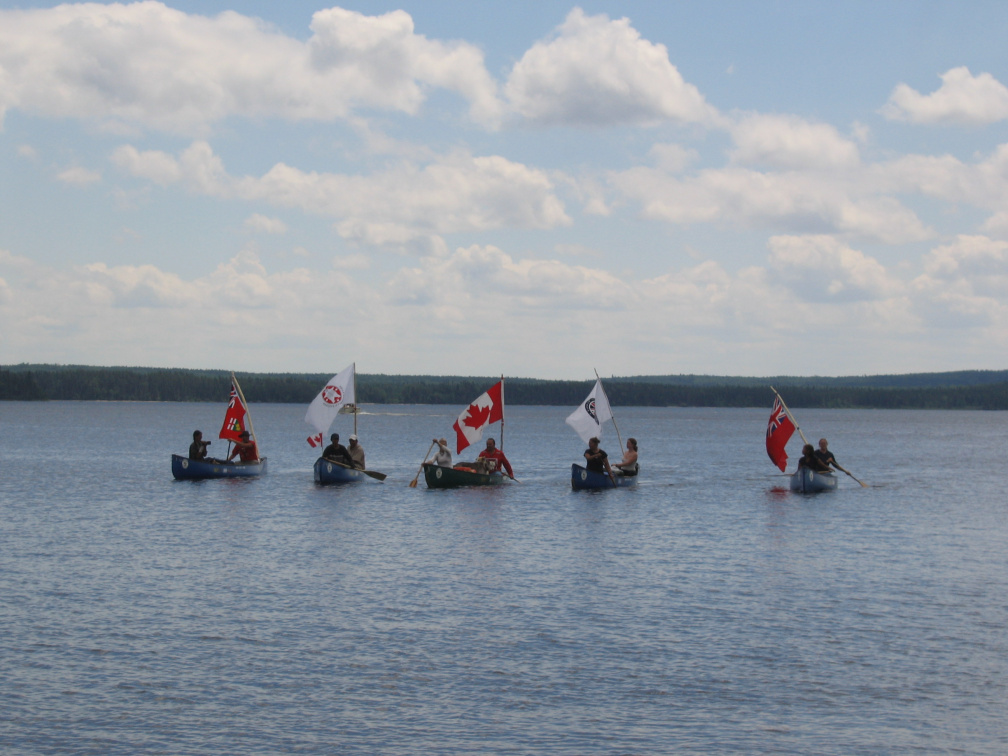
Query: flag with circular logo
{"x": 337, "y": 393}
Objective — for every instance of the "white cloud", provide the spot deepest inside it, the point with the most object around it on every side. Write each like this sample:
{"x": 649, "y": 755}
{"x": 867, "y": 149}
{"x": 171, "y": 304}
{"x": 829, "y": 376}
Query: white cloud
{"x": 79, "y": 176}
{"x": 596, "y": 71}
{"x": 673, "y": 158}
{"x": 784, "y": 141}
{"x": 147, "y": 64}
{"x": 821, "y": 268}
{"x": 965, "y": 286}
{"x": 457, "y": 192}
{"x": 692, "y": 316}
{"x": 983, "y": 184}
{"x": 264, "y": 224}
{"x": 385, "y": 63}
{"x": 798, "y": 201}
{"x": 975, "y": 256}
{"x": 140, "y": 314}
{"x": 962, "y": 98}
{"x": 153, "y": 165}
{"x": 996, "y": 224}
{"x": 469, "y": 273}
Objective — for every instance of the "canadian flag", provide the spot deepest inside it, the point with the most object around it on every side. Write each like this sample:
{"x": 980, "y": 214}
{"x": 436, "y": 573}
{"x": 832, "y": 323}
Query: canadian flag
{"x": 315, "y": 440}
{"x": 487, "y": 409}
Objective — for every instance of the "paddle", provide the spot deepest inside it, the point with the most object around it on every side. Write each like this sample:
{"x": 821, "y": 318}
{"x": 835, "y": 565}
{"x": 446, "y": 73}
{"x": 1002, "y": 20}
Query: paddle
{"x": 863, "y": 485}
{"x": 413, "y": 483}
{"x": 370, "y": 473}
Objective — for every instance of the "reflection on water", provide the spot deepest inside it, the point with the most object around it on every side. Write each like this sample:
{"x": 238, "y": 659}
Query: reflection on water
{"x": 707, "y": 610}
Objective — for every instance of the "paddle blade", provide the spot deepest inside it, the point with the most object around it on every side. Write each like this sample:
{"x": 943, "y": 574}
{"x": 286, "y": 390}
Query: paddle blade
{"x": 412, "y": 483}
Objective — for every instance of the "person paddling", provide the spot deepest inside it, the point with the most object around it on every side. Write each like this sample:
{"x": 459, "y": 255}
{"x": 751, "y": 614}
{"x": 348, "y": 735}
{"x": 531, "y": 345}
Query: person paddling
{"x": 596, "y": 459}
{"x": 824, "y": 455}
{"x": 811, "y": 461}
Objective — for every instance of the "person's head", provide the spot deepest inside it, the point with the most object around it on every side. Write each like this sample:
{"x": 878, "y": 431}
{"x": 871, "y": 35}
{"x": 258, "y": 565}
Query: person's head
{"x": 808, "y": 450}
{"x": 593, "y": 443}
{"x": 491, "y": 444}
{"x": 245, "y": 436}
{"x": 822, "y": 444}
{"x": 353, "y": 440}
{"x": 443, "y": 441}
{"x": 334, "y": 438}
{"x": 631, "y": 443}
{"x": 197, "y": 435}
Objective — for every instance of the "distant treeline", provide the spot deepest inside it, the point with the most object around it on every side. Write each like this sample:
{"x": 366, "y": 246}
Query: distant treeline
{"x": 986, "y": 390}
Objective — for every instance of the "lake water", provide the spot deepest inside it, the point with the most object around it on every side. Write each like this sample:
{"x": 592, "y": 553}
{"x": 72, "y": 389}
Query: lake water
{"x": 709, "y": 610}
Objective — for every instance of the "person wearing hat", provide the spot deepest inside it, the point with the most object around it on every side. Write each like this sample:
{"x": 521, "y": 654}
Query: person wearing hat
{"x": 245, "y": 449}
{"x": 442, "y": 457}
{"x": 356, "y": 453}
{"x": 337, "y": 452}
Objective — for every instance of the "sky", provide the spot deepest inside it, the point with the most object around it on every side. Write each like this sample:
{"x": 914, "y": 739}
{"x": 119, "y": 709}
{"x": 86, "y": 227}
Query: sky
{"x": 531, "y": 189}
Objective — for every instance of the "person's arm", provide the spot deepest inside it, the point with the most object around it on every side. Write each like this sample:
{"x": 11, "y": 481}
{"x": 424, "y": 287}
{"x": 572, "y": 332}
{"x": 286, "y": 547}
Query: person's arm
{"x": 629, "y": 460}
{"x": 837, "y": 464}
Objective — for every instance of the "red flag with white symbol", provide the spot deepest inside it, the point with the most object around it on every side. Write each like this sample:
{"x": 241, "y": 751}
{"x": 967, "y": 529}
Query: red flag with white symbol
{"x": 778, "y": 432}
{"x": 234, "y": 417}
{"x": 487, "y": 409}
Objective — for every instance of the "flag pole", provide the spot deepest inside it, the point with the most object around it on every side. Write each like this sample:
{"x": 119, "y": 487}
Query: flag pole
{"x": 502, "y": 413}
{"x": 611, "y": 413}
{"x": 248, "y": 413}
{"x": 355, "y": 403}
{"x": 795, "y": 422}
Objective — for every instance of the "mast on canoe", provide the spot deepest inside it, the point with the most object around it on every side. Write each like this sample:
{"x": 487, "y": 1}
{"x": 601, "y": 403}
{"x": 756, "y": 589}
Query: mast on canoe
{"x": 612, "y": 416}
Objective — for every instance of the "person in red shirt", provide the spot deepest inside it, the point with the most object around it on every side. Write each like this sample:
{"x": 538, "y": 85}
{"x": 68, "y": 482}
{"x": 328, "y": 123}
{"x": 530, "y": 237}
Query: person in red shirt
{"x": 246, "y": 449}
{"x": 496, "y": 457}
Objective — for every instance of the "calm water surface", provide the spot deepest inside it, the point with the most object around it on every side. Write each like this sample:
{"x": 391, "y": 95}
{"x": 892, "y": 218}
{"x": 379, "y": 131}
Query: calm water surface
{"x": 707, "y": 611}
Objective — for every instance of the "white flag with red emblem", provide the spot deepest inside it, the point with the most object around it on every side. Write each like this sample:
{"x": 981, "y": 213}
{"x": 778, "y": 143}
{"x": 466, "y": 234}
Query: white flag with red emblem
{"x": 338, "y": 392}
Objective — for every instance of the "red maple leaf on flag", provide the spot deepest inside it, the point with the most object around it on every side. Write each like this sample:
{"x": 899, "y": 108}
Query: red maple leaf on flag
{"x": 477, "y": 416}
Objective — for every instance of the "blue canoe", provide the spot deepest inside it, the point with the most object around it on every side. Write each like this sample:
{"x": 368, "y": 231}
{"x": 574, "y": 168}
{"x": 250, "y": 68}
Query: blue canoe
{"x": 328, "y": 472}
{"x": 807, "y": 480}
{"x": 584, "y": 479}
{"x": 184, "y": 468}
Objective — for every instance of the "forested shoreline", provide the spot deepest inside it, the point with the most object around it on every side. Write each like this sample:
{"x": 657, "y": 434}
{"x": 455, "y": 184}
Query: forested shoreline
{"x": 979, "y": 389}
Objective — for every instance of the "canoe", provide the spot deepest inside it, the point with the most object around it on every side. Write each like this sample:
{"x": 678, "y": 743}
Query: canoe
{"x": 458, "y": 477}
{"x": 806, "y": 480}
{"x": 184, "y": 468}
{"x": 584, "y": 479}
{"x": 328, "y": 472}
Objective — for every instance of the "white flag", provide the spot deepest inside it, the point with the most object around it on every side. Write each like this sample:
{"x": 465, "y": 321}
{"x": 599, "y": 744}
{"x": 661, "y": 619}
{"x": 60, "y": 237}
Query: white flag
{"x": 338, "y": 392}
{"x": 587, "y": 419}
